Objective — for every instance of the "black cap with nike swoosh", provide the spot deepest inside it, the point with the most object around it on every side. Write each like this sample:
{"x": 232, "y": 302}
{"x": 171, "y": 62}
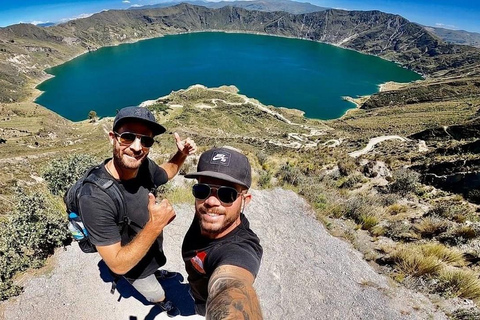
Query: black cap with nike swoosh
{"x": 225, "y": 164}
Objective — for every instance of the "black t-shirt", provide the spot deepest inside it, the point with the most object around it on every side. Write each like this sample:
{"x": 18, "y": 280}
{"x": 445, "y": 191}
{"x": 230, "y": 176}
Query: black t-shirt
{"x": 100, "y": 216}
{"x": 202, "y": 255}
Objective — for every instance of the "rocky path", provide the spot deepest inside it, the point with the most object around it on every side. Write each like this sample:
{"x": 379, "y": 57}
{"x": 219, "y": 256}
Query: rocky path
{"x": 306, "y": 274}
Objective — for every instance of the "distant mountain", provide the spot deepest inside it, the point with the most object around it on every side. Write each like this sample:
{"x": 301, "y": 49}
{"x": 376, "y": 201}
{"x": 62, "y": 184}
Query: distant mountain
{"x": 46, "y": 24}
{"x": 457, "y": 36}
{"x": 259, "y": 5}
{"x": 26, "y": 50}
{"x": 450, "y": 36}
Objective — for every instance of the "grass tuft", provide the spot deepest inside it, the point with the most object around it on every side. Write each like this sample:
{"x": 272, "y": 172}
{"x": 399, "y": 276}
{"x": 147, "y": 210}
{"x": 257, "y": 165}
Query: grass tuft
{"x": 460, "y": 283}
{"x": 410, "y": 261}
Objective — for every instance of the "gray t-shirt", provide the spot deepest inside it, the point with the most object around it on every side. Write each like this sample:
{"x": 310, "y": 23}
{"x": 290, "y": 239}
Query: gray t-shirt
{"x": 100, "y": 216}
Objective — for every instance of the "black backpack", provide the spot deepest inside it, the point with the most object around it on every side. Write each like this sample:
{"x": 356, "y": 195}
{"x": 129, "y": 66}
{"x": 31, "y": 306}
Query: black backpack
{"x": 110, "y": 187}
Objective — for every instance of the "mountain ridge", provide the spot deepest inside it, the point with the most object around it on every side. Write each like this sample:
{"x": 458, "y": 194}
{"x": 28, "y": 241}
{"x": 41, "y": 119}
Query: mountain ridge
{"x": 27, "y": 50}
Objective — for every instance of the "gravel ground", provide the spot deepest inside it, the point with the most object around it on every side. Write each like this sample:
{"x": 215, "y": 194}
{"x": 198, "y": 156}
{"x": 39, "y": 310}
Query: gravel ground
{"x": 305, "y": 274}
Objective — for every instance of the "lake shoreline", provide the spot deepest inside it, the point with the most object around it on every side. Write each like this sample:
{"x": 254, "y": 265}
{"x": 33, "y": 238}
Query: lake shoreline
{"x": 37, "y": 93}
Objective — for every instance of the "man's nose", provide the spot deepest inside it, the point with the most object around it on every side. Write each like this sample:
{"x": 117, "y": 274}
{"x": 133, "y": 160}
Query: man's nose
{"x": 212, "y": 199}
{"x": 136, "y": 144}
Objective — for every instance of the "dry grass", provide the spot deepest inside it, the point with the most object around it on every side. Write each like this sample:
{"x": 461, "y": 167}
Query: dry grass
{"x": 405, "y": 119}
{"x": 178, "y": 195}
{"x": 396, "y": 208}
{"x": 448, "y": 255}
{"x": 412, "y": 262}
{"x": 430, "y": 226}
{"x": 461, "y": 283}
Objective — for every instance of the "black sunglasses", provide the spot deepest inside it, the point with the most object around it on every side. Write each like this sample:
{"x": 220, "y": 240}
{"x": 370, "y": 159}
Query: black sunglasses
{"x": 202, "y": 191}
{"x": 127, "y": 138}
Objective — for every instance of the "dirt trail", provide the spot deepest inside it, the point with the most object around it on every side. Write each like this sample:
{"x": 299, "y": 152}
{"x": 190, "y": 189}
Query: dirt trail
{"x": 306, "y": 274}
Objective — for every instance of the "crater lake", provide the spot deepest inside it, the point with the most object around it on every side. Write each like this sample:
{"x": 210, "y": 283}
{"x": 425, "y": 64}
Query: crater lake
{"x": 283, "y": 72}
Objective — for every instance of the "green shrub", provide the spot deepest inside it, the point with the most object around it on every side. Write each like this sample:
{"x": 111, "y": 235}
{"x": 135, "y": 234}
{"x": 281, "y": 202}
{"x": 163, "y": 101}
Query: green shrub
{"x": 29, "y": 235}
{"x": 358, "y": 207}
{"x": 92, "y": 115}
{"x": 369, "y": 221}
{"x": 290, "y": 174}
{"x": 62, "y": 173}
{"x": 452, "y": 210}
{"x": 474, "y": 196}
{"x": 347, "y": 166}
{"x": 160, "y": 108}
{"x": 351, "y": 181}
{"x": 404, "y": 181}
{"x": 265, "y": 178}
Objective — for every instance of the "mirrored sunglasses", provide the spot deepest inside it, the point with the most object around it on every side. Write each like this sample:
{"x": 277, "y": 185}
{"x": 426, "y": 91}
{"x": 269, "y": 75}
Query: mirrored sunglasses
{"x": 127, "y": 138}
{"x": 202, "y": 191}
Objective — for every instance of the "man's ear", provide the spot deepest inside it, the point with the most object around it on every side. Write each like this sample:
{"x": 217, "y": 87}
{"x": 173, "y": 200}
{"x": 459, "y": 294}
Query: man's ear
{"x": 246, "y": 199}
{"x": 111, "y": 136}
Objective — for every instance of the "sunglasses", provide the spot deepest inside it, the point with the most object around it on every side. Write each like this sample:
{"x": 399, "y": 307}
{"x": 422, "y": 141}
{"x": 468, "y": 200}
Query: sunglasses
{"x": 127, "y": 138}
{"x": 202, "y": 191}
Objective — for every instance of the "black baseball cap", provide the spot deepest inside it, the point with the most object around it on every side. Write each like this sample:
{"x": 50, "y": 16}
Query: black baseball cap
{"x": 225, "y": 164}
{"x": 138, "y": 114}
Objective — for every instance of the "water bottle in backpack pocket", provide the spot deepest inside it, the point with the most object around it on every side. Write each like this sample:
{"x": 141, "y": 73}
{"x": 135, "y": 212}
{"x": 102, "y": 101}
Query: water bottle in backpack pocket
{"x": 76, "y": 227}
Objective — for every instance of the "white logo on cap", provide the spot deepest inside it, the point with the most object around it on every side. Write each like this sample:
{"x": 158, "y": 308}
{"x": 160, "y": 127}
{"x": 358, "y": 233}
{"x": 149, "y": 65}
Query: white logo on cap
{"x": 220, "y": 156}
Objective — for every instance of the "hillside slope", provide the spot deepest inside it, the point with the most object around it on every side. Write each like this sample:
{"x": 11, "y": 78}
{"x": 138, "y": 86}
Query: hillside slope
{"x": 27, "y": 50}
{"x": 305, "y": 274}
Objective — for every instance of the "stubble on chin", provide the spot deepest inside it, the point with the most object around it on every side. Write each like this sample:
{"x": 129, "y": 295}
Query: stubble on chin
{"x": 128, "y": 162}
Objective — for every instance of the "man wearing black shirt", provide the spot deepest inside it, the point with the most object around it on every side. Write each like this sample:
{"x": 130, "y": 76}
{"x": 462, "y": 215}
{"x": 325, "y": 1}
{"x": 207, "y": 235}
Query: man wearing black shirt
{"x": 221, "y": 253}
{"x": 138, "y": 253}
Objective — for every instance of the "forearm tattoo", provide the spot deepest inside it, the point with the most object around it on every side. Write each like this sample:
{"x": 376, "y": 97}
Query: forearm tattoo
{"x": 231, "y": 298}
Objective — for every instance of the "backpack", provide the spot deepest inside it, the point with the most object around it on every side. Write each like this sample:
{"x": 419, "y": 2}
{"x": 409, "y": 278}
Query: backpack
{"x": 110, "y": 187}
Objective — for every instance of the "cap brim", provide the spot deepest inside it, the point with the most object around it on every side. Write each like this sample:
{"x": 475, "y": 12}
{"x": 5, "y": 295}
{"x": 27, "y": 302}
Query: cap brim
{"x": 216, "y": 175}
{"x": 154, "y": 126}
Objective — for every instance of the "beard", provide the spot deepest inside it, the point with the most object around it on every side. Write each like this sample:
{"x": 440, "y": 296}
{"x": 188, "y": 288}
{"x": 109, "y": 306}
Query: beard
{"x": 210, "y": 228}
{"x": 125, "y": 161}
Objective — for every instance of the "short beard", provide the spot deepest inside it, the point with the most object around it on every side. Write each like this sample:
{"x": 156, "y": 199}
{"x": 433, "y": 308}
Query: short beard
{"x": 118, "y": 159}
{"x": 227, "y": 223}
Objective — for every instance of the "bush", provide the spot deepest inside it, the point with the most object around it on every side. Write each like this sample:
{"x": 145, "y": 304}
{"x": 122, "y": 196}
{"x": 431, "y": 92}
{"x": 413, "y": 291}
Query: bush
{"x": 92, "y": 115}
{"x": 347, "y": 166}
{"x": 29, "y": 235}
{"x": 265, "y": 178}
{"x": 358, "y": 207}
{"x": 405, "y": 181}
{"x": 351, "y": 181}
{"x": 290, "y": 174}
{"x": 474, "y": 196}
{"x": 62, "y": 173}
{"x": 451, "y": 210}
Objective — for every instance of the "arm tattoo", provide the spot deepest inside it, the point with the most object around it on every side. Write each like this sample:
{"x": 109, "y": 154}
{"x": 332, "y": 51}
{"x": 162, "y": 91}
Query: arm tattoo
{"x": 232, "y": 298}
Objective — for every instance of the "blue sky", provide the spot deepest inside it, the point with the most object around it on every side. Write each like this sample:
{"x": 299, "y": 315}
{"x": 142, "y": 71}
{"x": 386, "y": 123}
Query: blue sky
{"x": 458, "y": 15}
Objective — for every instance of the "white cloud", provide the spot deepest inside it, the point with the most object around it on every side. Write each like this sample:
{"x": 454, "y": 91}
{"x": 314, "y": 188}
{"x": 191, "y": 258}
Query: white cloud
{"x": 80, "y": 16}
{"x": 125, "y": 1}
{"x": 35, "y": 22}
{"x": 137, "y": 5}
{"x": 446, "y": 26}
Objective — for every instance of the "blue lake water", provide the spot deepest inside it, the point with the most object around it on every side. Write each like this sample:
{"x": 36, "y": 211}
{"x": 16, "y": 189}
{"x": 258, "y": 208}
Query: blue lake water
{"x": 285, "y": 72}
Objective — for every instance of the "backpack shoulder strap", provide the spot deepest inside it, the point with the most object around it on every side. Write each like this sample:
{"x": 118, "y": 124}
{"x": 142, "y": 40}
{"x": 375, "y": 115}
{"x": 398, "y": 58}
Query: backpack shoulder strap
{"x": 152, "y": 167}
{"x": 111, "y": 188}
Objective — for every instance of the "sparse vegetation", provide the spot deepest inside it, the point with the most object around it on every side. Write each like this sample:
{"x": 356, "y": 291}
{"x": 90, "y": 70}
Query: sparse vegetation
{"x": 29, "y": 234}
{"x": 62, "y": 173}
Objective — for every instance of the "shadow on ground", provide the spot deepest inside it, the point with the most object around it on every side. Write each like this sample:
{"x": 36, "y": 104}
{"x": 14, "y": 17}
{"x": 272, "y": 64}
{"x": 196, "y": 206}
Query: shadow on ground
{"x": 175, "y": 290}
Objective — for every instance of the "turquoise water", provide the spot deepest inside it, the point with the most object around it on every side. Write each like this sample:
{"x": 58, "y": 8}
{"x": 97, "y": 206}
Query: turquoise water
{"x": 290, "y": 73}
